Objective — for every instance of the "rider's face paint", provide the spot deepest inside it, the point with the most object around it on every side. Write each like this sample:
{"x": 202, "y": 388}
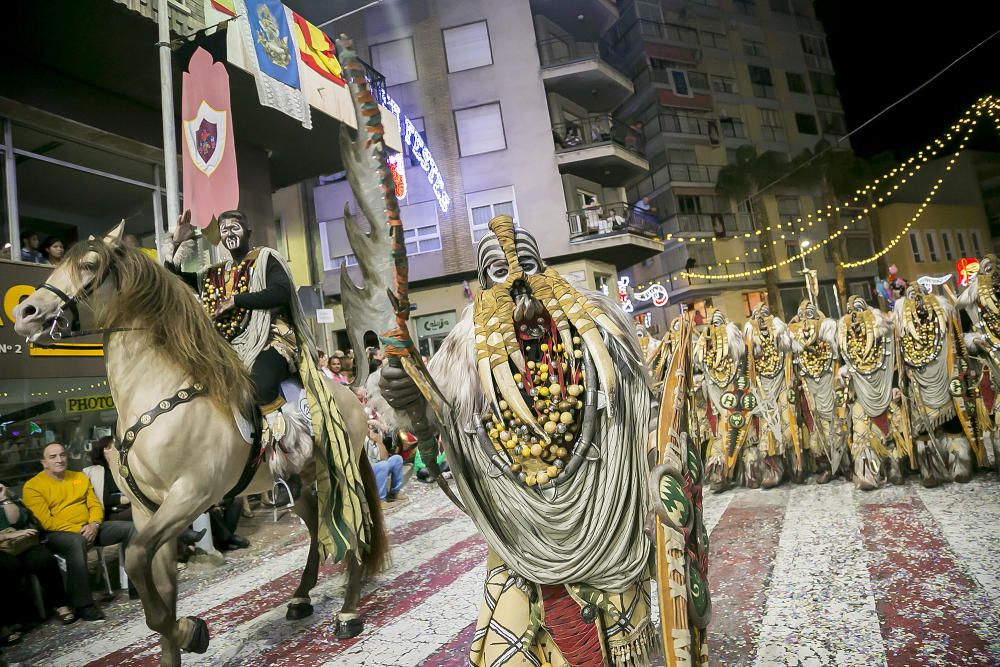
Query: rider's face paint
{"x": 233, "y": 234}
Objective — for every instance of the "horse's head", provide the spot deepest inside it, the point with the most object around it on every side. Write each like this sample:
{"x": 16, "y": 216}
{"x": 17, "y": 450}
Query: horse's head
{"x": 80, "y": 273}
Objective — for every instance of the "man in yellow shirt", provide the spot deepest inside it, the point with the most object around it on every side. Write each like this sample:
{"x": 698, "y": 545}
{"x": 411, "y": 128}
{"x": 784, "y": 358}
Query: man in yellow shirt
{"x": 68, "y": 509}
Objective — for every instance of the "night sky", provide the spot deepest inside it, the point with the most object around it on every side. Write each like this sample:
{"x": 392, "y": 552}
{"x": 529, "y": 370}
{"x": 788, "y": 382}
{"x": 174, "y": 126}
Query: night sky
{"x": 882, "y": 49}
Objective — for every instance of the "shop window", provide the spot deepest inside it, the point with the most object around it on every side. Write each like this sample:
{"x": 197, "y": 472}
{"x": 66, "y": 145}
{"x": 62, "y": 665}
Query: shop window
{"x": 467, "y": 46}
{"x": 751, "y": 300}
{"x": 395, "y": 60}
{"x": 480, "y": 129}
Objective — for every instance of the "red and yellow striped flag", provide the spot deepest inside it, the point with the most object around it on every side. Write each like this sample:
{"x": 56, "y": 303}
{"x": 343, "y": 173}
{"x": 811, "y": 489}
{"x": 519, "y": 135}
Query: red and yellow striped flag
{"x": 317, "y": 50}
{"x": 225, "y": 6}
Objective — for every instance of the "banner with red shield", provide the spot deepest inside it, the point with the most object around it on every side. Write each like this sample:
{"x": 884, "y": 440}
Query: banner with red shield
{"x": 211, "y": 185}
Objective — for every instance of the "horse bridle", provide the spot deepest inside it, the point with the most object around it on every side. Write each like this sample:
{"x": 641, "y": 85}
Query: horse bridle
{"x": 67, "y": 302}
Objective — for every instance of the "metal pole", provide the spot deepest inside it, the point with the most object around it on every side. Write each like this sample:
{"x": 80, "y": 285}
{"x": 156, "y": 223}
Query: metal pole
{"x": 805, "y": 276}
{"x": 167, "y": 109}
{"x": 344, "y": 16}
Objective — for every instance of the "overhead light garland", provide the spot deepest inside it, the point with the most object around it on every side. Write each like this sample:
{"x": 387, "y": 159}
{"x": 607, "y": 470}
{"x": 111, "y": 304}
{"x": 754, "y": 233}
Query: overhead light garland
{"x": 969, "y": 119}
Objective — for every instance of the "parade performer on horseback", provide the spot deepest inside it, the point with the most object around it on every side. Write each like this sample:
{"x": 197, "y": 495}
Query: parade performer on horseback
{"x": 253, "y": 305}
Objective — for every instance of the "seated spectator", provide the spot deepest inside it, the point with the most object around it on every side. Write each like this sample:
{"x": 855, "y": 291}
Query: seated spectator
{"x": 66, "y": 507}
{"x": 335, "y": 369}
{"x": 573, "y": 136}
{"x": 53, "y": 250}
{"x": 21, "y": 556}
{"x": 383, "y": 465}
{"x": 117, "y": 506}
{"x": 29, "y": 248}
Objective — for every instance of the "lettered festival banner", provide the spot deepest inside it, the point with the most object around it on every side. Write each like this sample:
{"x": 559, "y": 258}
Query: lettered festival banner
{"x": 211, "y": 185}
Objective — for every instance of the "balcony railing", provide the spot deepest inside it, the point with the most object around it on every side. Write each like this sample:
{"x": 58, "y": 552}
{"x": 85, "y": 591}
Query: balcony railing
{"x": 693, "y": 173}
{"x": 624, "y": 38}
{"x": 600, "y": 220}
{"x": 376, "y": 81}
{"x": 721, "y": 224}
{"x": 596, "y": 131}
{"x": 557, "y": 51}
{"x": 690, "y": 125}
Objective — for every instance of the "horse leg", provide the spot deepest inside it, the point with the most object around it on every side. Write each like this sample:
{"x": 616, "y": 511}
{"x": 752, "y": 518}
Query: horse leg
{"x": 307, "y": 508}
{"x": 178, "y": 509}
{"x": 349, "y": 623}
{"x": 165, "y": 578}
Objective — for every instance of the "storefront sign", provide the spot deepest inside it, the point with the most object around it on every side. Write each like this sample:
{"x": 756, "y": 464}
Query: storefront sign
{"x": 19, "y": 359}
{"x": 89, "y": 403}
{"x": 324, "y": 315}
{"x": 436, "y": 325}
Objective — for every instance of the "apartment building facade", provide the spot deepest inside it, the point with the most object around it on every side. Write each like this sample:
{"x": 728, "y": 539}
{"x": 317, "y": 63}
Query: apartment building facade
{"x": 711, "y": 76}
{"x": 517, "y": 105}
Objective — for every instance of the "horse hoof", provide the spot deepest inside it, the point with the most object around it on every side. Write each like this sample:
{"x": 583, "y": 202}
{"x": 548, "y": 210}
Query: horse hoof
{"x": 963, "y": 479}
{"x": 198, "y": 642}
{"x": 350, "y": 628}
{"x": 929, "y": 483}
{"x": 296, "y": 612}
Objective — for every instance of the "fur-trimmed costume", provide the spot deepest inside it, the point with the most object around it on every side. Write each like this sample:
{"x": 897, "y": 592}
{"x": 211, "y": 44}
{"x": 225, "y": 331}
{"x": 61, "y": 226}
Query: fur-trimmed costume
{"x": 877, "y": 440}
{"x": 720, "y": 354}
{"x": 546, "y": 427}
{"x": 816, "y": 359}
{"x": 769, "y": 347}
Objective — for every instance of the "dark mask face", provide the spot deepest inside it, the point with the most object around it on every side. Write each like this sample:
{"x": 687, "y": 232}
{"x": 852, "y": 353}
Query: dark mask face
{"x": 235, "y": 235}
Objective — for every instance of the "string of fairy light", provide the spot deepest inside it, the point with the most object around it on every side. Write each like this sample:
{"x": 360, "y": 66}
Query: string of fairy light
{"x": 876, "y": 192}
{"x": 70, "y": 390}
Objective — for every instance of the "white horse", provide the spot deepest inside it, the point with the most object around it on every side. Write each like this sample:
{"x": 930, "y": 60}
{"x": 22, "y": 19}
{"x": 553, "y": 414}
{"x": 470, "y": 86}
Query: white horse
{"x": 159, "y": 344}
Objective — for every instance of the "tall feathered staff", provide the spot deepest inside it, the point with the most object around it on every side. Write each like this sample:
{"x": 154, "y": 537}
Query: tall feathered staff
{"x": 364, "y": 154}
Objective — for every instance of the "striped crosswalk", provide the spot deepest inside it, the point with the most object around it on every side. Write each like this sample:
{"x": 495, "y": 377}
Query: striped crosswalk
{"x": 807, "y": 575}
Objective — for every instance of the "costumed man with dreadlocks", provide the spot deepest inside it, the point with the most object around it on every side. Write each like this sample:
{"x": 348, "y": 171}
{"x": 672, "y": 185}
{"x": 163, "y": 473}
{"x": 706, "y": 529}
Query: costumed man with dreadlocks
{"x": 878, "y": 438}
{"x": 720, "y": 354}
{"x": 816, "y": 358}
{"x": 546, "y": 424}
{"x": 981, "y": 303}
{"x": 942, "y": 384}
{"x": 253, "y": 303}
{"x": 769, "y": 349}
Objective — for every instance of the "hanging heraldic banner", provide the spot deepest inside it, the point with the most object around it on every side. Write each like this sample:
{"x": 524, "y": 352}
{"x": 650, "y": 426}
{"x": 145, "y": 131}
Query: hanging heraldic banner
{"x": 273, "y": 56}
{"x": 211, "y": 185}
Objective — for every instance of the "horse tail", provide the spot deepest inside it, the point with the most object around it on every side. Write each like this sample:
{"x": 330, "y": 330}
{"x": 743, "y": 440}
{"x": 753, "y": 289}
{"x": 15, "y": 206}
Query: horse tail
{"x": 375, "y": 558}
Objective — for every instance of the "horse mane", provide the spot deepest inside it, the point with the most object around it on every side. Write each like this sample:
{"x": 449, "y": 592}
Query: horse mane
{"x": 150, "y": 297}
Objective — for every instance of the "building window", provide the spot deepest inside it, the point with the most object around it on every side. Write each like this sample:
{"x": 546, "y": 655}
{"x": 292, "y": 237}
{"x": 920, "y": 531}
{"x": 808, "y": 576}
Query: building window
{"x": 823, "y": 83}
{"x": 649, "y": 11}
{"x": 745, "y": 6}
{"x": 602, "y": 282}
{"x": 781, "y": 7}
{"x": 791, "y": 249}
{"x": 806, "y": 123}
{"x": 715, "y": 40}
{"x": 733, "y": 128}
{"x": 962, "y": 246}
{"x": 915, "y": 247}
{"x": 395, "y": 60}
{"x": 679, "y": 80}
{"x": 480, "y": 129}
{"x": 486, "y": 205}
{"x": 858, "y": 247}
{"x": 754, "y": 48}
{"x": 770, "y": 125}
{"x": 814, "y": 46}
{"x": 796, "y": 82}
{"x": 977, "y": 248}
{"x": 789, "y": 208}
{"x": 860, "y": 288}
{"x": 723, "y": 84}
{"x": 947, "y": 246}
{"x": 761, "y": 82}
{"x": 833, "y": 123}
{"x": 698, "y": 80}
{"x": 467, "y": 46}
{"x": 932, "y": 252}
